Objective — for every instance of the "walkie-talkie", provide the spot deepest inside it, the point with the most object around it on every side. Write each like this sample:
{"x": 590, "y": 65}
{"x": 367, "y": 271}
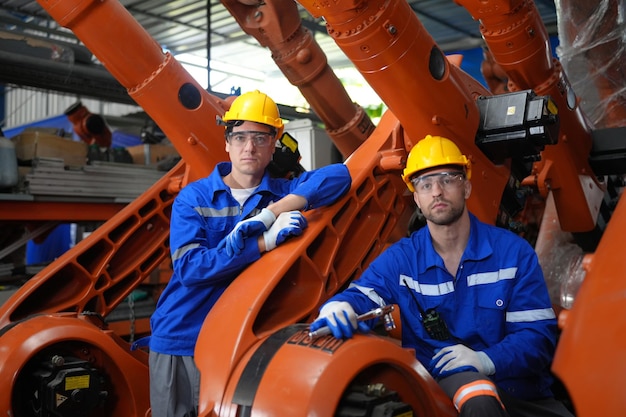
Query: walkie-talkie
{"x": 434, "y": 324}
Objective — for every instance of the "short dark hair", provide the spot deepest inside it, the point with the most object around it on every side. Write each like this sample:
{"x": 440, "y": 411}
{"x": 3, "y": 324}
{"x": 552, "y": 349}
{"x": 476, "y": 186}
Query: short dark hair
{"x": 459, "y": 168}
{"x": 232, "y": 123}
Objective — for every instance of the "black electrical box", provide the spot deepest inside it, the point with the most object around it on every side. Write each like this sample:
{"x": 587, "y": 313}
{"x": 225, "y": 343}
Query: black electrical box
{"x": 516, "y": 125}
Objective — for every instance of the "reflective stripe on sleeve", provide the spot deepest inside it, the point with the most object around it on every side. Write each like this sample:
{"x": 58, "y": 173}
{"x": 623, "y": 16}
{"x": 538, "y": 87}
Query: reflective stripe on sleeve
{"x": 475, "y": 389}
{"x": 370, "y": 293}
{"x": 530, "y": 315}
{"x": 178, "y": 253}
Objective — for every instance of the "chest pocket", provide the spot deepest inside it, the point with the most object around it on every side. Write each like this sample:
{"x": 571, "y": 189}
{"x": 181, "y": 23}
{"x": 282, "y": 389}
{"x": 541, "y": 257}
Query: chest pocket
{"x": 492, "y": 302}
{"x": 217, "y": 228}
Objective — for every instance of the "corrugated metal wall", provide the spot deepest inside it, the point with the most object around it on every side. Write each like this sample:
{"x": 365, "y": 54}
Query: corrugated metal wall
{"x": 25, "y": 106}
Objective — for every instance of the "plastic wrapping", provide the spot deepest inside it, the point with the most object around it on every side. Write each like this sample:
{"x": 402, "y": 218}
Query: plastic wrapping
{"x": 562, "y": 269}
{"x": 560, "y": 258}
{"x": 592, "y": 35}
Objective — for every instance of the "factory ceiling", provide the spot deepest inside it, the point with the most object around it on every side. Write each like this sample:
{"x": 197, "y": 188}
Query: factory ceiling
{"x": 197, "y": 28}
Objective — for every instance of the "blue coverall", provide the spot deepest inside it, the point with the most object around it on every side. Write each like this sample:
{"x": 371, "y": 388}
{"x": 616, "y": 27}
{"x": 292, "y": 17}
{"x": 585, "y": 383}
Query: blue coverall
{"x": 204, "y": 213}
{"x": 498, "y": 303}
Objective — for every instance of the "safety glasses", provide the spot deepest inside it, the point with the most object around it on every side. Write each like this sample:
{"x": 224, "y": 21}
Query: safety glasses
{"x": 259, "y": 139}
{"x": 447, "y": 181}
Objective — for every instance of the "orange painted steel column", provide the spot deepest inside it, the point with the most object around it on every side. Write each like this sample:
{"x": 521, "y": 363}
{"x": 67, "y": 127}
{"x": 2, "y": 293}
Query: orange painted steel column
{"x": 590, "y": 355}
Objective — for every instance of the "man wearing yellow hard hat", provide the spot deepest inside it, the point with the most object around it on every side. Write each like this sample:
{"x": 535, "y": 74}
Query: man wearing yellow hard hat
{"x": 219, "y": 225}
{"x": 472, "y": 297}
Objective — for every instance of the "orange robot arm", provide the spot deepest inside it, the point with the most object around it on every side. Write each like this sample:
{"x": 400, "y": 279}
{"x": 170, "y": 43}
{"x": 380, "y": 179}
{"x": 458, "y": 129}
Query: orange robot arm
{"x": 252, "y": 351}
{"x": 519, "y": 43}
{"x": 277, "y": 26}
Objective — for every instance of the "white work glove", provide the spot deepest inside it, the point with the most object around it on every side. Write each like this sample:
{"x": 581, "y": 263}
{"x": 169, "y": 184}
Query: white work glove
{"x": 250, "y": 227}
{"x": 289, "y": 223}
{"x": 340, "y": 318}
{"x": 459, "y": 358}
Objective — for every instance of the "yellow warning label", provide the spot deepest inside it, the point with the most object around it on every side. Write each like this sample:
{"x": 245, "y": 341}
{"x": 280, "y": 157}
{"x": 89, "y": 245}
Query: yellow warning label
{"x": 552, "y": 107}
{"x": 76, "y": 382}
{"x": 60, "y": 399}
{"x": 289, "y": 142}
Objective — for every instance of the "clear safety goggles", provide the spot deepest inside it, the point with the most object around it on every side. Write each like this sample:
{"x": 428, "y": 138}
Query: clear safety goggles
{"x": 259, "y": 139}
{"x": 447, "y": 181}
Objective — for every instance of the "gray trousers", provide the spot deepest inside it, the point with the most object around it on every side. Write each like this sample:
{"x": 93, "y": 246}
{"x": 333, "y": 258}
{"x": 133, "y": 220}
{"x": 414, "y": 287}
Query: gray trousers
{"x": 174, "y": 385}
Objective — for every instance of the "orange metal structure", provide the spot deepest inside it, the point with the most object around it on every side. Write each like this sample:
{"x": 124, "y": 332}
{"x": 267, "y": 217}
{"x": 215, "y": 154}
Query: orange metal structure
{"x": 253, "y": 353}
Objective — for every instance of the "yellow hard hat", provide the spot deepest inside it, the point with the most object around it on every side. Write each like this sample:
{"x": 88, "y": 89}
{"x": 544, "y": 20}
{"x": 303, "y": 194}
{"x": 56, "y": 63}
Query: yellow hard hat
{"x": 255, "y": 106}
{"x": 431, "y": 152}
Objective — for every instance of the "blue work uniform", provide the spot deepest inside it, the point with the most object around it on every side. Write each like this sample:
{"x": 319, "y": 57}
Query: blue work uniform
{"x": 497, "y": 303}
{"x": 203, "y": 214}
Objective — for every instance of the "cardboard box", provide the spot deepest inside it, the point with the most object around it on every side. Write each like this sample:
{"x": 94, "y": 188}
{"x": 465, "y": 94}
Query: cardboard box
{"x": 32, "y": 144}
{"x": 150, "y": 154}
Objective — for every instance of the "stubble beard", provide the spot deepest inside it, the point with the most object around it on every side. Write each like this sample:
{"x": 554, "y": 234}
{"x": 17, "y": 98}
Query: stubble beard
{"x": 445, "y": 218}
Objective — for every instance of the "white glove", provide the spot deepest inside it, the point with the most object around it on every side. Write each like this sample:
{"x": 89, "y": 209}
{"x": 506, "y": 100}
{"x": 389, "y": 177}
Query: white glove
{"x": 289, "y": 223}
{"x": 340, "y": 318}
{"x": 457, "y": 358}
{"x": 338, "y": 311}
{"x": 252, "y": 226}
